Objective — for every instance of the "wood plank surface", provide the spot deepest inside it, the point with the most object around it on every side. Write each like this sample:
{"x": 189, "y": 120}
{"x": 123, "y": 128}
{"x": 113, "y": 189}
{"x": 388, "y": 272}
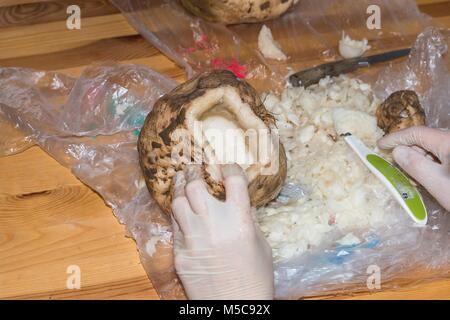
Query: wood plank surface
{"x": 38, "y": 13}
{"x": 49, "y": 220}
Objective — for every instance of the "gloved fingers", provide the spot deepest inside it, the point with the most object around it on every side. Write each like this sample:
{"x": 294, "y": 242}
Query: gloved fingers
{"x": 175, "y": 227}
{"x": 263, "y": 241}
{"x": 419, "y": 150}
{"x": 236, "y": 184}
{"x": 259, "y": 233}
{"x": 254, "y": 217}
{"x": 431, "y": 175}
{"x": 185, "y": 225}
{"x": 178, "y": 236}
{"x": 425, "y": 153}
{"x": 196, "y": 191}
{"x": 179, "y": 183}
{"x": 181, "y": 209}
{"x": 435, "y": 141}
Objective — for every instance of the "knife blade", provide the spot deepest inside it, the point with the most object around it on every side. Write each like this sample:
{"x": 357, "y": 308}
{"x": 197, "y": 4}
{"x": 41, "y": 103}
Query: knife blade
{"x": 313, "y": 75}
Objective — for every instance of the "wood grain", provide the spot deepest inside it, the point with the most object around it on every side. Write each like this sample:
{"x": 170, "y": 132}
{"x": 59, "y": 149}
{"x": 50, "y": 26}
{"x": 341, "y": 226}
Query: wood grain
{"x": 42, "y": 12}
{"x": 116, "y": 49}
{"x": 46, "y": 174}
{"x": 54, "y": 36}
{"x": 5, "y": 3}
{"x": 130, "y": 49}
{"x": 48, "y": 218}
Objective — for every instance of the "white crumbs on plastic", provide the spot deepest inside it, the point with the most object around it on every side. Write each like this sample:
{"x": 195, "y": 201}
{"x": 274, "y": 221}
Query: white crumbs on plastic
{"x": 349, "y": 240}
{"x": 358, "y": 123}
{"x": 150, "y": 246}
{"x": 341, "y": 195}
{"x": 157, "y": 234}
{"x": 268, "y": 46}
{"x": 349, "y": 48}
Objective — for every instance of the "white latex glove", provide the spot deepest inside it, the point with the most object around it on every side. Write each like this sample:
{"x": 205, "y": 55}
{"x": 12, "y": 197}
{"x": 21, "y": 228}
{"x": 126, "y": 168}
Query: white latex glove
{"x": 410, "y": 152}
{"x": 220, "y": 252}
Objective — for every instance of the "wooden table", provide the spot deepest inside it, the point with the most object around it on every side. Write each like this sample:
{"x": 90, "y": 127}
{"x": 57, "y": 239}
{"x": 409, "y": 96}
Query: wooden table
{"x": 49, "y": 220}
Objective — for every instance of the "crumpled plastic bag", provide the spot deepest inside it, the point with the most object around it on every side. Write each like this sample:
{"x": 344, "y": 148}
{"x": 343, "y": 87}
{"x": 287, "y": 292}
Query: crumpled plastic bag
{"x": 90, "y": 124}
{"x": 308, "y": 34}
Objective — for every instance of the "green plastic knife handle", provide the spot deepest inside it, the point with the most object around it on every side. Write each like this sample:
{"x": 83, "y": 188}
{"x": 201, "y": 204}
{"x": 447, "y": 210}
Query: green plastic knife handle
{"x": 402, "y": 185}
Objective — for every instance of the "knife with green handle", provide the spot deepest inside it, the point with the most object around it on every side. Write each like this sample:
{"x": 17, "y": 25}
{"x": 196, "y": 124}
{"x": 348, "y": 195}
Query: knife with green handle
{"x": 396, "y": 182}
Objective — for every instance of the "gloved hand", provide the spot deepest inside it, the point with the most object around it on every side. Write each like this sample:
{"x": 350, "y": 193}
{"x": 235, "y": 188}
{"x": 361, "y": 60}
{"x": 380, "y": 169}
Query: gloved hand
{"x": 220, "y": 252}
{"x": 410, "y": 152}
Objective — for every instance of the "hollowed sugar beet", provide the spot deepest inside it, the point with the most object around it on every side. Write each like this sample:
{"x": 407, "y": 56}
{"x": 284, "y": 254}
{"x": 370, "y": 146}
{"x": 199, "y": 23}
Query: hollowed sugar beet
{"x": 177, "y": 122}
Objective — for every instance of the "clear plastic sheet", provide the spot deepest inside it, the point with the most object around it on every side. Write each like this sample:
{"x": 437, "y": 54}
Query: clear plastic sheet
{"x": 12, "y": 139}
{"x": 90, "y": 125}
{"x": 308, "y": 34}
